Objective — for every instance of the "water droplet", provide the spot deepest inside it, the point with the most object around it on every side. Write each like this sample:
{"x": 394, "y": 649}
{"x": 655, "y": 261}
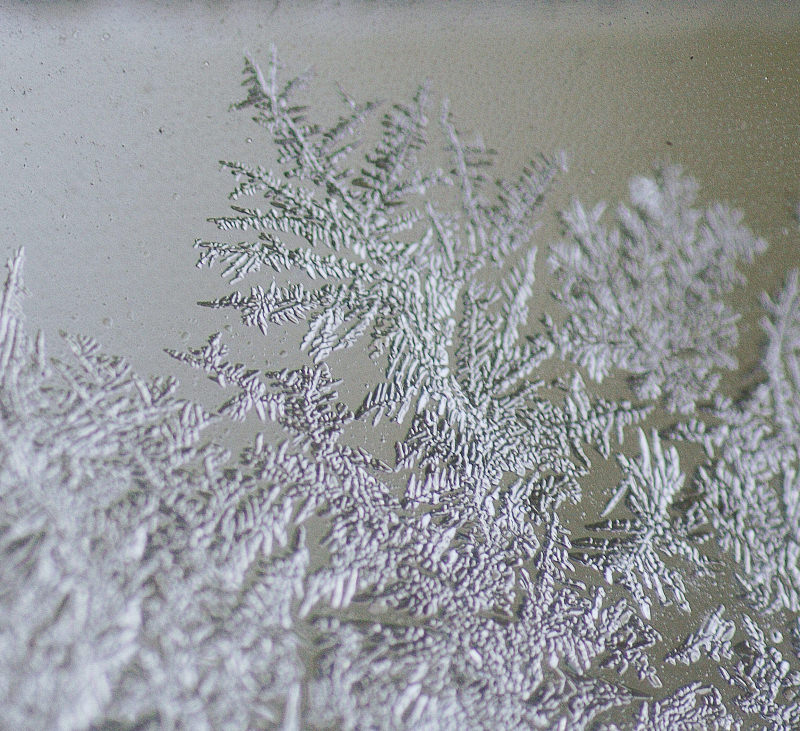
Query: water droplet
{"x": 106, "y": 36}
{"x": 249, "y": 140}
{"x": 205, "y": 64}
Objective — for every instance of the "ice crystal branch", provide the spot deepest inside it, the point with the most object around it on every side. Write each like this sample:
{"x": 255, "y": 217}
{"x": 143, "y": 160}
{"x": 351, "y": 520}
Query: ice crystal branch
{"x": 459, "y": 367}
{"x": 767, "y": 681}
{"x": 750, "y": 483}
{"x": 712, "y": 638}
{"x": 646, "y": 293}
{"x": 156, "y": 581}
{"x": 693, "y": 706}
{"x": 634, "y": 548}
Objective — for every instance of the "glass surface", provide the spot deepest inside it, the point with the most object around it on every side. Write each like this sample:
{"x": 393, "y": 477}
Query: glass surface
{"x": 381, "y": 520}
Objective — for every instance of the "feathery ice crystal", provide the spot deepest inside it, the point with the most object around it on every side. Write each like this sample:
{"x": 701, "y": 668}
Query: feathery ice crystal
{"x": 646, "y": 294}
{"x": 156, "y": 580}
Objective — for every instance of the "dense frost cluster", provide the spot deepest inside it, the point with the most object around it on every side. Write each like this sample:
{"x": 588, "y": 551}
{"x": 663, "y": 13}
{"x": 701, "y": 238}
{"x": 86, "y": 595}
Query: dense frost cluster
{"x": 646, "y": 294}
{"x": 152, "y": 579}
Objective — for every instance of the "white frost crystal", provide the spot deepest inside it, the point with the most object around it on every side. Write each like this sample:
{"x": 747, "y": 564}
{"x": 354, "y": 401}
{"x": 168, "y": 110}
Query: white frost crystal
{"x": 645, "y": 294}
{"x": 634, "y": 549}
{"x": 152, "y": 579}
{"x": 751, "y": 483}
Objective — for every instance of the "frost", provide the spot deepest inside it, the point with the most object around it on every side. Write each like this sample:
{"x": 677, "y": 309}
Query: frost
{"x": 314, "y": 578}
{"x": 750, "y": 483}
{"x": 487, "y": 459}
{"x": 535, "y": 671}
{"x": 634, "y": 549}
{"x": 144, "y": 582}
{"x": 694, "y": 706}
{"x": 712, "y": 638}
{"x": 646, "y": 293}
{"x": 768, "y": 683}
{"x": 86, "y": 448}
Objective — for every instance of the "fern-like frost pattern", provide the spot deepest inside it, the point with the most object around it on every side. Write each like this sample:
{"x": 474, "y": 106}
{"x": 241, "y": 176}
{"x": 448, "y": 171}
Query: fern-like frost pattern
{"x": 645, "y": 294}
{"x": 155, "y": 579}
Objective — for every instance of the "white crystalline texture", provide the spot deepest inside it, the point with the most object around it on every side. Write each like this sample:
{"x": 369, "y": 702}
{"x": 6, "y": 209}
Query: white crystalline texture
{"x": 645, "y": 293}
{"x": 750, "y": 483}
{"x": 634, "y": 549}
{"x": 152, "y": 580}
{"x": 118, "y": 600}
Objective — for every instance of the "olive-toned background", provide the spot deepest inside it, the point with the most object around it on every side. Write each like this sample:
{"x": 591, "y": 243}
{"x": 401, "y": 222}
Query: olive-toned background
{"x": 113, "y": 119}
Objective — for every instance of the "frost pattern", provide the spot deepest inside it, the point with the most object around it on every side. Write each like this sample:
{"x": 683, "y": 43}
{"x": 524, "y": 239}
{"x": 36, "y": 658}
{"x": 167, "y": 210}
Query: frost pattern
{"x": 692, "y": 707}
{"x": 456, "y": 546}
{"x": 767, "y": 682}
{"x": 153, "y": 579}
{"x": 144, "y": 581}
{"x": 645, "y": 294}
{"x": 712, "y": 638}
{"x": 750, "y": 484}
{"x": 635, "y": 547}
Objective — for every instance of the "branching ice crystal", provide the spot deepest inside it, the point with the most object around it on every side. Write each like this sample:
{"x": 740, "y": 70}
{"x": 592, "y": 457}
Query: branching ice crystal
{"x": 690, "y": 708}
{"x": 712, "y": 638}
{"x": 768, "y": 683}
{"x": 750, "y": 485}
{"x": 152, "y": 580}
{"x": 645, "y": 294}
{"x": 451, "y": 552}
{"x": 636, "y": 548}
{"x": 87, "y": 450}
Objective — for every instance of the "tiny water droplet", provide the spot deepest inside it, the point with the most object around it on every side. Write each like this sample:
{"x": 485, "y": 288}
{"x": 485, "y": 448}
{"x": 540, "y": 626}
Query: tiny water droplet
{"x": 106, "y": 36}
{"x": 176, "y": 196}
{"x": 249, "y": 140}
{"x": 205, "y": 64}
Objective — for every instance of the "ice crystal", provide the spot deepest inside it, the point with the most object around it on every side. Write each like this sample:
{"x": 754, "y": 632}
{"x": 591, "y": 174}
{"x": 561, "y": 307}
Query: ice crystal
{"x": 712, "y": 638}
{"x": 750, "y": 492}
{"x": 750, "y": 484}
{"x": 768, "y": 683}
{"x": 692, "y": 707}
{"x": 153, "y": 579}
{"x": 86, "y": 448}
{"x": 635, "y": 548}
{"x": 645, "y": 294}
{"x": 451, "y": 551}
